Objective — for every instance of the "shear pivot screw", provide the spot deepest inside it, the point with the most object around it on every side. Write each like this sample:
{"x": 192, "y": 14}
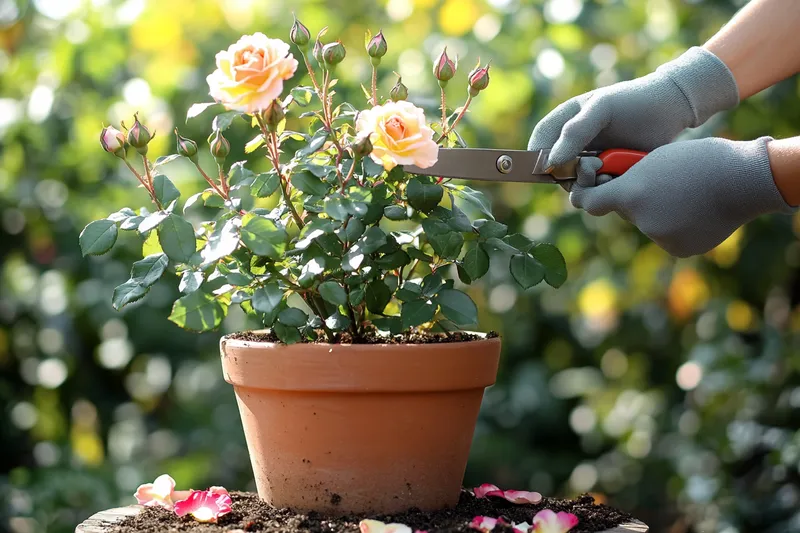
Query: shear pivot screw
{"x": 504, "y": 164}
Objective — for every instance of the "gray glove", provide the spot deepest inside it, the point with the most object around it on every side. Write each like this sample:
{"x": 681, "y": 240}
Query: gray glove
{"x": 687, "y": 196}
{"x": 640, "y": 114}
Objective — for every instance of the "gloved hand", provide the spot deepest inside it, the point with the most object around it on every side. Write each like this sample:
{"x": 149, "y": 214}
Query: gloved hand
{"x": 640, "y": 114}
{"x": 687, "y": 196}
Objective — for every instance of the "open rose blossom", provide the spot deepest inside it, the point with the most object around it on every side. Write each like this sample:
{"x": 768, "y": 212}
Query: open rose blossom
{"x": 251, "y": 72}
{"x": 514, "y": 496}
{"x": 376, "y": 526}
{"x": 547, "y": 521}
{"x": 159, "y": 493}
{"x": 400, "y": 135}
{"x": 205, "y": 505}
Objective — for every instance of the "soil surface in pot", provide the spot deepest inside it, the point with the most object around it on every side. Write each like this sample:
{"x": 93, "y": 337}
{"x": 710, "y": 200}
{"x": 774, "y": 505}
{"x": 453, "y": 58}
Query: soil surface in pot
{"x": 372, "y": 336}
{"x": 251, "y": 514}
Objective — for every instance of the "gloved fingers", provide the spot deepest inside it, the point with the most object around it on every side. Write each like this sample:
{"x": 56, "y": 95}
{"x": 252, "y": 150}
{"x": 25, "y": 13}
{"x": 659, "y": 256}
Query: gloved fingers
{"x": 579, "y": 131}
{"x": 603, "y": 178}
{"x": 547, "y": 131}
{"x": 598, "y": 200}
{"x": 587, "y": 171}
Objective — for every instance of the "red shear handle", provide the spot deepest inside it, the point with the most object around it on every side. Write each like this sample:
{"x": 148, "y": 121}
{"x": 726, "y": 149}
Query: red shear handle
{"x": 617, "y": 161}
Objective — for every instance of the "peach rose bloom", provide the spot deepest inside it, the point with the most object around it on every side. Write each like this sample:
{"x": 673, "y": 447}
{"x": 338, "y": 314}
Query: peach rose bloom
{"x": 250, "y": 73}
{"x": 400, "y": 135}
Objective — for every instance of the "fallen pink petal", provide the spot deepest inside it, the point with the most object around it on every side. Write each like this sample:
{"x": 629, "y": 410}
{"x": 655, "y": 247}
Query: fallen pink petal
{"x": 376, "y": 526}
{"x": 158, "y": 493}
{"x": 483, "y": 490}
{"x": 522, "y": 496}
{"x": 485, "y": 523}
{"x": 205, "y": 505}
{"x": 547, "y": 521}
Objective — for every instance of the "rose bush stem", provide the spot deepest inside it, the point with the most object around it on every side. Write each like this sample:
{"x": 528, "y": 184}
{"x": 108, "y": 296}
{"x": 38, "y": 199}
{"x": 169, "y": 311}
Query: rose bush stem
{"x": 315, "y": 306}
{"x": 444, "y": 111}
{"x": 456, "y": 121}
{"x": 144, "y": 183}
{"x": 210, "y": 181}
{"x": 310, "y": 72}
{"x": 374, "y": 86}
{"x": 276, "y": 163}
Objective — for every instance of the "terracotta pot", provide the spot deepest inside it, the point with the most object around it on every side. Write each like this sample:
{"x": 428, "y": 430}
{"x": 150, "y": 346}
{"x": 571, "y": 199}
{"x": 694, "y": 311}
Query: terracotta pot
{"x": 359, "y": 428}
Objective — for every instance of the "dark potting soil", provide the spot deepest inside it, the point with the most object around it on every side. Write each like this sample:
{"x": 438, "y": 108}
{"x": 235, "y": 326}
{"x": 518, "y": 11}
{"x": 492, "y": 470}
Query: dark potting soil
{"x": 372, "y": 336}
{"x": 249, "y": 514}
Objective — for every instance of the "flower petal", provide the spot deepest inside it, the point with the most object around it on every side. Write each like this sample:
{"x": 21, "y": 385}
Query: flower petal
{"x": 522, "y": 496}
{"x": 485, "y": 523}
{"x": 156, "y": 494}
{"x": 376, "y": 526}
{"x": 547, "y": 521}
{"x": 204, "y": 505}
{"x": 480, "y": 492}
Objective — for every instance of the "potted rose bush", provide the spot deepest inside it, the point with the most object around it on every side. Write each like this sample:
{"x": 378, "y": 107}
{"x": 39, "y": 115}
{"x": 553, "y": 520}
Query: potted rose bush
{"x": 362, "y": 391}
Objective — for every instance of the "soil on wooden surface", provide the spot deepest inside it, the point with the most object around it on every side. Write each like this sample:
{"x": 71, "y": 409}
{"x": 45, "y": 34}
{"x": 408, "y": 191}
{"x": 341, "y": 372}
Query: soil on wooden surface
{"x": 249, "y": 514}
{"x": 372, "y": 336}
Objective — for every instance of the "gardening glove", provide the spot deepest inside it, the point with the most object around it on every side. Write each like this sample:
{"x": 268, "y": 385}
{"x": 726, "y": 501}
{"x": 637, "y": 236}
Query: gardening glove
{"x": 686, "y": 196}
{"x": 640, "y": 114}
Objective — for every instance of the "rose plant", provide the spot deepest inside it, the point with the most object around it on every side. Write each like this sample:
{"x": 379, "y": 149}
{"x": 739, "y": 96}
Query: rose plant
{"x": 354, "y": 242}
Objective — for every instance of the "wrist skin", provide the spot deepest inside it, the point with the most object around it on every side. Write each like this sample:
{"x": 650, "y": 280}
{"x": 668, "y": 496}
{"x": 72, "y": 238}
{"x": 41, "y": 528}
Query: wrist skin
{"x": 784, "y": 159}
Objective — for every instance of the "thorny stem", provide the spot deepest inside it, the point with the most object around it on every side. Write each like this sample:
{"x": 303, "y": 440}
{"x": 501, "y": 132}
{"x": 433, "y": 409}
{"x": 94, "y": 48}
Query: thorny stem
{"x": 310, "y": 72}
{"x": 223, "y": 181}
{"x": 444, "y": 111}
{"x": 374, "y": 86}
{"x": 210, "y": 181}
{"x": 456, "y": 121}
{"x": 145, "y": 183}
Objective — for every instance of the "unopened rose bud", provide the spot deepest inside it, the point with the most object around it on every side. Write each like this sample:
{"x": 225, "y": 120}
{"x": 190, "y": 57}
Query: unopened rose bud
{"x": 219, "y": 146}
{"x": 362, "y": 146}
{"x": 186, "y": 147}
{"x": 274, "y": 114}
{"x": 299, "y": 34}
{"x": 399, "y": 91}
{"x": 376, "y": 48}
{"x": 113, "y": 141}
{"x": 444, "y": 69}
{"x": 139, "y": 136}
{"x": 333, "y": 53}
{"x": 478, "y": 79}
{"x": 317, "y": 52}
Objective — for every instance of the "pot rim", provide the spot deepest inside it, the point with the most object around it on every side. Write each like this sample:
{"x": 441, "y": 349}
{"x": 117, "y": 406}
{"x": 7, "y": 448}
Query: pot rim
{"x": 226, "y": 340}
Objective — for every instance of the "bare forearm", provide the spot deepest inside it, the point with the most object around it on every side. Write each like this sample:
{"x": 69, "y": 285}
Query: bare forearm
{"x": 784, "y": 158}
{"x": 760, "y": 45}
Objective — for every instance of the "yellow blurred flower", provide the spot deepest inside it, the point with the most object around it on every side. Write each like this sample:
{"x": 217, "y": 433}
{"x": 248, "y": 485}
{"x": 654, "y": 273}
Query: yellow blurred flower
{"x": 740, "y": 316}
{"x": 400, "y": 135}
{"x": 251, "y": 72}
{"x": 687, "y": 292}
{"x": 598, "y": 299}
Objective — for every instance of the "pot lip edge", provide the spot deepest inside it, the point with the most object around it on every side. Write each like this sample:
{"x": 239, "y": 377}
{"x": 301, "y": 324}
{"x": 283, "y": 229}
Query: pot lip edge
{"x": 226, "y": 340}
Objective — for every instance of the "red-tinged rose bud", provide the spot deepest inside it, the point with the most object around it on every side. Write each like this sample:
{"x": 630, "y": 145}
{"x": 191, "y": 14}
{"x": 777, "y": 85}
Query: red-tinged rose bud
{"x": 219, "y": 146}
{"x": 139, "y": 136}
{"x": 399, "y": 91}
{"x": 478, "y": 79}
{"x": 376, "y": 48}
{"x": 444, "y": 69}
{"x": 362, "y": 145}
{"x": 274, "y": 114}
{"x": 333, "y": 53}
{"x": 113, "y": 141}
{"x": 299, "y": 34}
{"x": 186, "y": 147}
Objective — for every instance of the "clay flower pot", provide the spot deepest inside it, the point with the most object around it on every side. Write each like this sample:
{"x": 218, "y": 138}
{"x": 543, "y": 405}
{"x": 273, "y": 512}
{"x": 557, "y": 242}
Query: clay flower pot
{"x": 359, "y": 428}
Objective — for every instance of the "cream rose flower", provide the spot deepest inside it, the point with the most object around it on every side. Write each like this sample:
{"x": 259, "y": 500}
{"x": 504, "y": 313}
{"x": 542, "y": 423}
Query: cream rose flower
{"x": 250, "y": 73}
{"x": 400, "y": 135}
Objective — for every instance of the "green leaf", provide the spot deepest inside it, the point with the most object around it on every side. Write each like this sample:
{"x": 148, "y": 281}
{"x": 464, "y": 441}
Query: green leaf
{"x": 123, "y": 214}
{"x": 555, "y": 267}
{"x": 447, "y": 246}
{"x": 431, "y": 284}
{"x": 223, "y": 121}
{"x": 377, "y": 296}
{"x": 176, "y": 236}
{"x": 254, "y": 144}
{"x": 372, "y": 239}
{"x": 288, "y": 335}
{"x": 475, "y": 198}
{"x": 489, "y": 228}
{"x": 475, "y": 262}
{"x": 223, "y": 241}
{"x": 335, "y": 208}
{"x": 164, "y": 159}
{"x": 352, "y": 258}
{"x": 356, "y": 296}
{"x": 308, "y": 183}
{"x": 98, "y": 237}
{"x": 197, "y": 311}
{"x": 351, "y": 231}
{"x": 393, "y": 260}
{"x": 392, "y": 324}
{"x": 164, "y": 189}
{"x": 238, "y": 173}
{"x": 196, "y": 109}
{"x": 267, "y": 298}
{"x": 395, "y": 212}
{"x": 423, "y": 196}
{"x": 302, "y": 95}
{"x": 148, "y": 270}
{"x": 418, "y": 254}
{"x": 373, "y": 169}
{"x": 152, "y": 220}
{"x": 128, "y": 292}
{"x": 416, "y": 312}
{"x": 520, "y": 242}
{"x": 457, "y": 307}
{"x": 292, "y": 316}
{"x": 265, "y": 184}
{"x": 316, "y": 142}
{"x": 459, "y": 220}
{"x": 190, "y": 281}
{"x": 526, "y": 270}
{"x": 333, "y": 292}
{"x": 463, "y": 275}
{"x": 263, "y": 237}
{"x": 495, "y": 244}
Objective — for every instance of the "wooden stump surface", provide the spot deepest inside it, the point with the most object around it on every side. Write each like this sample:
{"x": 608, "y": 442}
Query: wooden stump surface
{"x": 102, "y": 522}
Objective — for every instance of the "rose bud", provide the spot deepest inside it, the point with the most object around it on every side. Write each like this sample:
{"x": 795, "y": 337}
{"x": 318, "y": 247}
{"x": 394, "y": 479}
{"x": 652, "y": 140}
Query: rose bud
{"x": 478, "y": 79}
{"x": 274, "y": 114}
{"x": 399, "y": 91}
{"x": 444, "y": 69}
{"x": 139, "y": 136}
{"x": 219, "y": 146}
{"x": 362, "y": 145}
{"x": 333, "y": 53}
{"x": 376, "y": 48}
{"x": 113, "y": 141}
{"x": 299, "y": 34}
{"x": 186, "y": 147}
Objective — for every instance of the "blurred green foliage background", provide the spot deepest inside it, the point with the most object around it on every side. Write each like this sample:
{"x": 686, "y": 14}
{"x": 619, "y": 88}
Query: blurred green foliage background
{"x": 670, "y": 388}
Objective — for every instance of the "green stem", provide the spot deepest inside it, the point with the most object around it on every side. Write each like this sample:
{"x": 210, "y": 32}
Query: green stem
{"x": 444, "y": 112}
{"x": 318, "y": 311}
{"x": 374, "y": 85}
{"x": 456, "y": 121}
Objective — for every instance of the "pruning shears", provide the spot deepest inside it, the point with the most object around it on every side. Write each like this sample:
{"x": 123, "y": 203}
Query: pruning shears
{"x": 521, "y": 165}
